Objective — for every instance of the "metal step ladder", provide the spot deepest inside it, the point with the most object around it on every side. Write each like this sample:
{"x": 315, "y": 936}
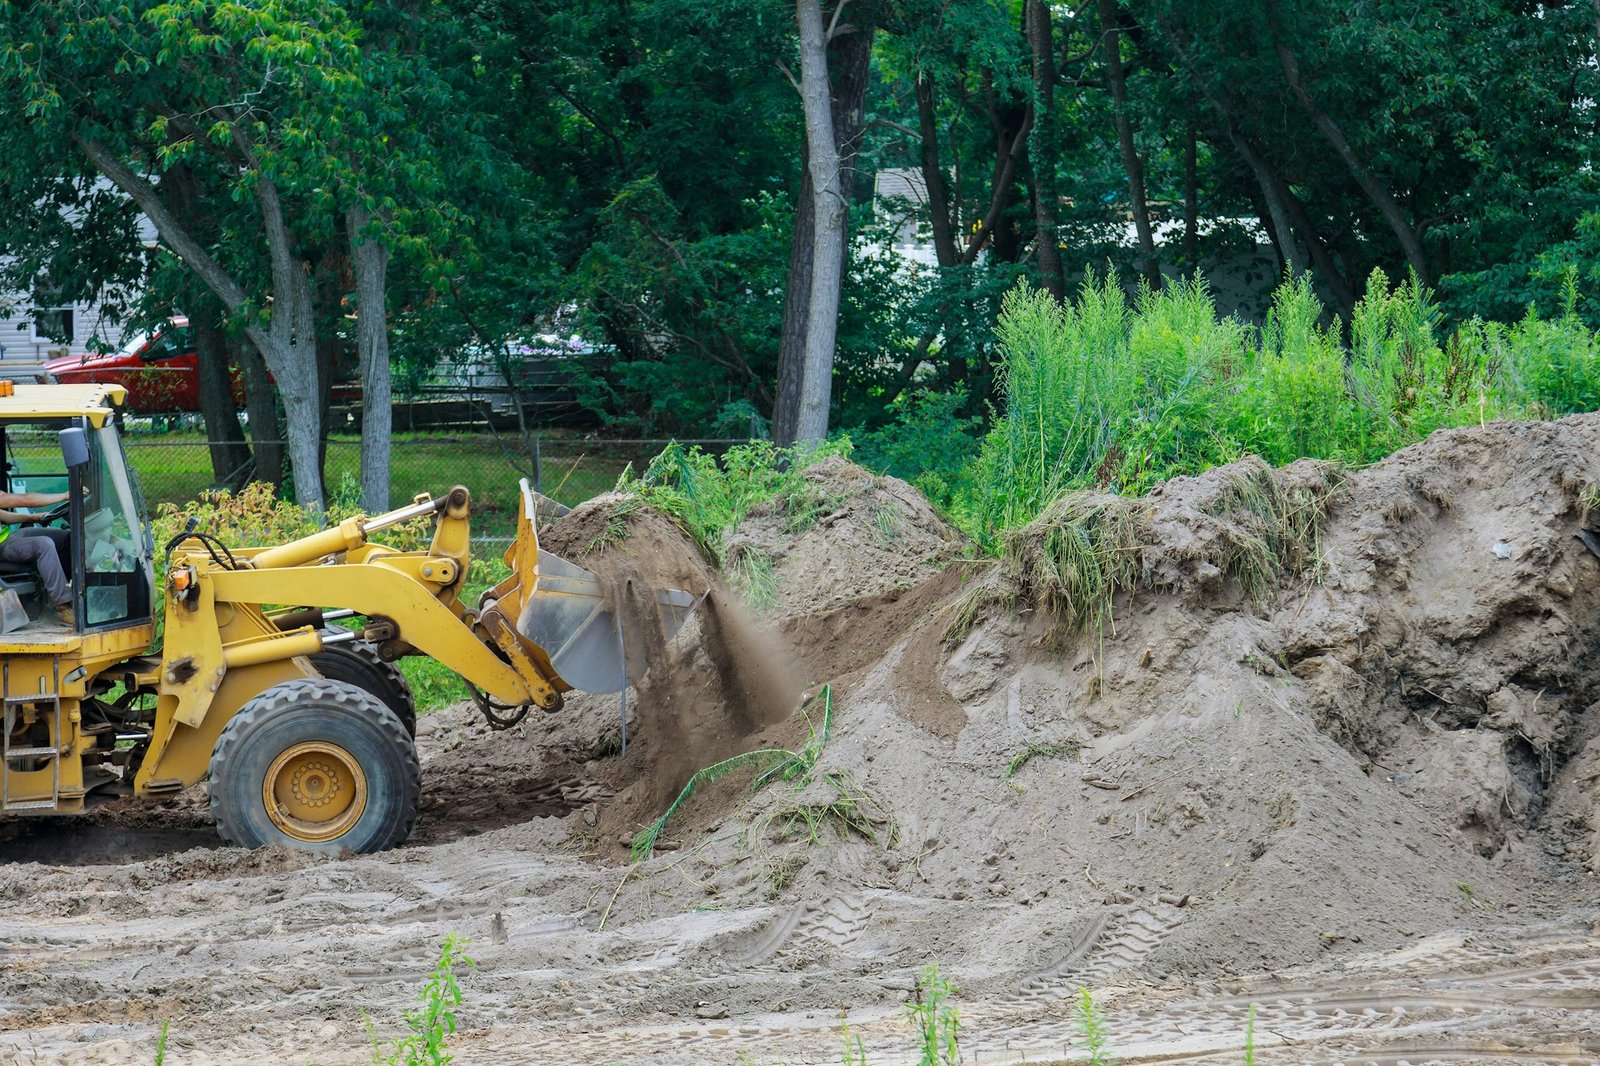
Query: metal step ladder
{"x": 12, "y": 706}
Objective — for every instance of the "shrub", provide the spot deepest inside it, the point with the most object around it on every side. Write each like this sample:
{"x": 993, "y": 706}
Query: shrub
{"x": 929, "y": 443}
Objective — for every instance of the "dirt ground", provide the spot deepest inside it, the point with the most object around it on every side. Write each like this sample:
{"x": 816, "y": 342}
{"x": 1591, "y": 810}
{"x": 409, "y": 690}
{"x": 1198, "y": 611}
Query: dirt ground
{"x": 1360, "y": 794}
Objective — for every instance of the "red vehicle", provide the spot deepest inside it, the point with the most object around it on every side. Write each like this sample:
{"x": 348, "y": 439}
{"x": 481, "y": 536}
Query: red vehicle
{"x": 159, "y": 369}
{"x": 162, "y": 372}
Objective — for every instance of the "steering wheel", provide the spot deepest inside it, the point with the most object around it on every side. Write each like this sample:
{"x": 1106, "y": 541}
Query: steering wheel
{"x": 57, "y": 513}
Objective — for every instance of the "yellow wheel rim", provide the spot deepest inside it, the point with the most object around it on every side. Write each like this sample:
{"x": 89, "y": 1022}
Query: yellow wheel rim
{"x": 315, "y": 791}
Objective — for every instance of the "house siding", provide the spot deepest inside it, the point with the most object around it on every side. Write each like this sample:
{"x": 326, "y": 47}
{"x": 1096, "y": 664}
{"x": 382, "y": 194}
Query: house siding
{"x": 18, "y": 346}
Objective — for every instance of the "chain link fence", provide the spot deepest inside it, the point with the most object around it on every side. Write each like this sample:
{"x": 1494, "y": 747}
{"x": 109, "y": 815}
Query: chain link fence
{"x": 176, "y": 467}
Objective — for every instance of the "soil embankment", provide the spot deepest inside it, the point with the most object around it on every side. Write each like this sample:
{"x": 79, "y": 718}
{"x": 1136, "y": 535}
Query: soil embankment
{"x": 1335, "y": 752}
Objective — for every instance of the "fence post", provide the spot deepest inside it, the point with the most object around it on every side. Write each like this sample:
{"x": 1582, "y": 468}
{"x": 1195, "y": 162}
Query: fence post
{"x": 538, "y": 469}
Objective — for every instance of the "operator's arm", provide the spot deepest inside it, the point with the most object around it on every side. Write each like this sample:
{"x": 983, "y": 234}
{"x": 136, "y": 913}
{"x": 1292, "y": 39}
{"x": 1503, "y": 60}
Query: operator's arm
{"x": 31, "y": 499}
{"x": 13, "y": 518}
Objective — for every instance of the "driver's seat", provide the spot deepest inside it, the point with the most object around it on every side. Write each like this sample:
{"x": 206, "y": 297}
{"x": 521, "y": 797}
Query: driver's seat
{"x": 20, "y": 578}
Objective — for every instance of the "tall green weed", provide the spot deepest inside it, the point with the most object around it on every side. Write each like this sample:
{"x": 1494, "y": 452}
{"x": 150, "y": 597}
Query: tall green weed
{"x": 1102, "y": 393}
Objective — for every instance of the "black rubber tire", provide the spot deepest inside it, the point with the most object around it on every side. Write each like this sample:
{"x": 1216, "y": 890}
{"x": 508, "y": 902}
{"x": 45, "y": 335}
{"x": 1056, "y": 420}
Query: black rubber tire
{"x": 315, "y": 710}
{"x": 357, "y": 662}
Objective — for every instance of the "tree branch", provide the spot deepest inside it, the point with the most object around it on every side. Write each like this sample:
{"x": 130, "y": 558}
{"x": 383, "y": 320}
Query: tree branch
{"x": 167, "y": 225}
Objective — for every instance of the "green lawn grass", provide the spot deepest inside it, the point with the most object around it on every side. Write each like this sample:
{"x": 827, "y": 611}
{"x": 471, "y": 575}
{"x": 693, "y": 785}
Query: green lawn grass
{"x": 176, "y": 467}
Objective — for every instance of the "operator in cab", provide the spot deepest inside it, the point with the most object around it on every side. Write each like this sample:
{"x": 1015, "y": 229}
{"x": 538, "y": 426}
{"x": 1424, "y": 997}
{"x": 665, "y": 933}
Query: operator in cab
{"x": 24, "y": 540}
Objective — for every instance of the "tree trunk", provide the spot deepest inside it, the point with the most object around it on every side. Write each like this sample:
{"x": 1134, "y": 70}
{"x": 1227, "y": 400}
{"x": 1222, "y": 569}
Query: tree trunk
{"x": 1012, "y": 123}
{"x": 1132, "y": 164}
{"x": 371, "y": 260}
{"x": 291, "y": 352}
{"x": 1191, "y": 205}
{"x": 939, "y": 219}
{"x": 829, "y": 208}
{"x": 230, "y": 455}
{"x": 1321, "y": 259}
{"x": 1045, "y": 148}
{"x": 1282, "y": 228}
{"x": 329, "y": 284}
{"x": 796, "y": 302}
{"x": 851, "y": 53}
{"x": 261, "y": 403}
{"x": 1374, "y": 189}
{"x": 287, "y": 341}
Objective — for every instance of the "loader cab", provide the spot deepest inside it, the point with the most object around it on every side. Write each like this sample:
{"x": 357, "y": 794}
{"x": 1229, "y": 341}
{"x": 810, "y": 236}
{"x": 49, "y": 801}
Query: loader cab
{"x": 111, "y": 554}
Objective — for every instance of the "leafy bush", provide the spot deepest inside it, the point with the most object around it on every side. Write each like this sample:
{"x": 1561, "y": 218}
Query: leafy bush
{"x": 255, "y": 517}
{"x": 929, "y": 443}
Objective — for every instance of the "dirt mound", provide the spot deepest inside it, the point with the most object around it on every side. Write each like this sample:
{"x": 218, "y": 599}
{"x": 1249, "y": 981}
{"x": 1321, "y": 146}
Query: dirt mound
{"x": 1323, "y": 742}
{"x": 694, "y": 698}
{"x": 850, "y": 535}
{"x": 1325, "y": 712}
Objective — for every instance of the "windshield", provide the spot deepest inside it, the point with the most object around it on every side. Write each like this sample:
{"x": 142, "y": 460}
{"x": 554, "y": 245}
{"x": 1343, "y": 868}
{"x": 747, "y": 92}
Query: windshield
{"x": 116, "y": 546}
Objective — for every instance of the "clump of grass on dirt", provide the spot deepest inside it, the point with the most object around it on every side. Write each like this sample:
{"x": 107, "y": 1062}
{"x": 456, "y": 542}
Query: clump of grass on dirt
{"x": 848, "y": 808}
{"x": 1065, "y": 749}
{"x": 1270, "y": 530}
{"x": 771, "y": 764}
{"x": 708, "y": 495}
{"x": 751, "y": 571}
{"x": 1088, "y": 548}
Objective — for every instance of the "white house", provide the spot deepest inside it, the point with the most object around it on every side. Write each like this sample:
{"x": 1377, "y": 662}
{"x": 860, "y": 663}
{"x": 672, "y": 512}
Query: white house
{"x": 30, "y": 324}
{"x": 27, "y": 331}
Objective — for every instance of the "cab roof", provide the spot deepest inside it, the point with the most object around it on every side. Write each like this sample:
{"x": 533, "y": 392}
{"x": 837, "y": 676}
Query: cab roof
{"x": 92, "y": 401}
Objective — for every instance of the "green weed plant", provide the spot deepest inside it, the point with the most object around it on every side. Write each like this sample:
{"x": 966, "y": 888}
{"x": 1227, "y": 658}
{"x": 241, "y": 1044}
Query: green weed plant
{"x": 1115, "y": 394}
{"x": 936, "y": 1020}
{"x": 433, "y": 1022}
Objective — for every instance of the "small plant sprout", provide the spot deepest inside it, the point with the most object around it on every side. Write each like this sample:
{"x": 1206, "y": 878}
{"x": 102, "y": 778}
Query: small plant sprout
{"x": 1250, "y": 1037}
{"x": 434, "y": 1021}
{"x": 938, "y": 1024}
{"x": 1093, "y": 1028}
{"x": 854, "y": 1053}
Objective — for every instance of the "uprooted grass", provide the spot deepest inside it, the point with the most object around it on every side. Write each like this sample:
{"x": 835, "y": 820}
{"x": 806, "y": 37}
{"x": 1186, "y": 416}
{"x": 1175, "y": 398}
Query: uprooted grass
{"x": 844, "y": 805}
{"x": 770, "y": 764}
{"x": 1255, "y": 527}
{"x": 1065, "y": 749}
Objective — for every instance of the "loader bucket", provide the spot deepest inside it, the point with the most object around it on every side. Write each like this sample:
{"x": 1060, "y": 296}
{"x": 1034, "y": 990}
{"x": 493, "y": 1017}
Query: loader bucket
{"x": 568, "y": 611}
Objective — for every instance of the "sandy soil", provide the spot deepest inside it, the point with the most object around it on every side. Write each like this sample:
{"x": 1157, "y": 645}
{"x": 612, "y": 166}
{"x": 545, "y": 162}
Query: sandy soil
{"x": 1363, "y": 801}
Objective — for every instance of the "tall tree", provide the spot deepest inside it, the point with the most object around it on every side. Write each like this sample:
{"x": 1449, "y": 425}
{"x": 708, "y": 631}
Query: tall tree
{"x": 1132, "y": 162}
{"x": 1044, "y": 149}
{"x": 850, "y": 56}
{"x": 829, "y": 210}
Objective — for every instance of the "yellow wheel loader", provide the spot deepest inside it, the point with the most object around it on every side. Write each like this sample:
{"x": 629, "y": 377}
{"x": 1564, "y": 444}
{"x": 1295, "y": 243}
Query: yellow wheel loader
{"x": 303, "y": 727}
